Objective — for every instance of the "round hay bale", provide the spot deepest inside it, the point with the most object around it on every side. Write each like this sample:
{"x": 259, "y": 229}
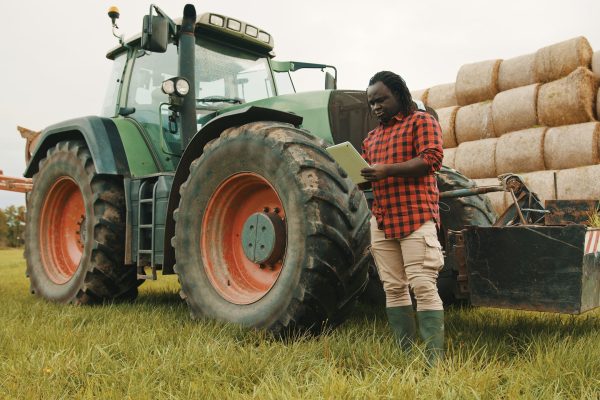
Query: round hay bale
{"x": 572, "y": 146}
{"x": 596, "y": 64}
{"x": 515, "y": 109}
{"x": 441, "y": 96}
{"x": 598, "y": 104}
{"x": 569, "y": 100}
{"x": 420, "y": 95}
{"x": 516, "y": 72}
{"x": 542, "y": 183}
{"x": 521, "y": 151}
{"x": 477, "y": 159}
{"x": 474, "y": 122}
{"x": 499, "y": 199}
{"x": 449, "y": 155}
{"x": 560, "y": 59}
{"x": 477, "y": 82}
{"x": 447, "y": 120}
{"x": 578, "y": 183}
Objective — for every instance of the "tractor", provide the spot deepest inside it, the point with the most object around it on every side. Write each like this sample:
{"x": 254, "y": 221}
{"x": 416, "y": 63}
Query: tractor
{"x": 200, "y": 166}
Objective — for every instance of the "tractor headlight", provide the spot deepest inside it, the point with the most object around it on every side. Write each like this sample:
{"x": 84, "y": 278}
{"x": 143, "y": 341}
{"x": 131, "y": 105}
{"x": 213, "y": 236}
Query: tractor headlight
{"x": 177, "y": 86}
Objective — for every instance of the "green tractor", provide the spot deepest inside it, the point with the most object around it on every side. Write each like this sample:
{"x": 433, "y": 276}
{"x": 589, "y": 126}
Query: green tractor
{"x": 199, "y": 166}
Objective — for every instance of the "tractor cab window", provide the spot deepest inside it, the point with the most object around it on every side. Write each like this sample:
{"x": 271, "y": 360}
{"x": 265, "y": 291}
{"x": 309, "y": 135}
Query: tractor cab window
{"x": 109, "y": 107}
{"x": 226, "y": 76}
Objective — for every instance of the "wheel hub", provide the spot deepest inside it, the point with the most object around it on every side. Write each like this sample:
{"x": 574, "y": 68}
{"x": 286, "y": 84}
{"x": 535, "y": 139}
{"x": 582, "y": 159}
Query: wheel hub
{"x": 263, "y": 238}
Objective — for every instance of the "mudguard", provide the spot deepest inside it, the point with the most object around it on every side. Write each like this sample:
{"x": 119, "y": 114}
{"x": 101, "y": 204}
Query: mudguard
{"x": 195, "y": 149}
{"x": 100, "y": 134}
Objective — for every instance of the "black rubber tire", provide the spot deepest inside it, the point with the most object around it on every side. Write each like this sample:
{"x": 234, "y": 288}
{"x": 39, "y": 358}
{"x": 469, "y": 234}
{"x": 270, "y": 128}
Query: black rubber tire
{"x": 455, "y": 214}
{"x": 327, "y": 219}
{"x": 100, "y": 274}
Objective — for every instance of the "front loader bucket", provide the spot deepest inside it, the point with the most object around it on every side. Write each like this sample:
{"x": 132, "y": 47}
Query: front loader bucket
{"x": 538, "y": 268}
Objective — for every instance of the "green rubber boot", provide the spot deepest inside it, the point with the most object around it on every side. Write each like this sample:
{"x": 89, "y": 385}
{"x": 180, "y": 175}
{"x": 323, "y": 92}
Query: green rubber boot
{"x": 431, "y": 330}
{"x": 402, "y": 322}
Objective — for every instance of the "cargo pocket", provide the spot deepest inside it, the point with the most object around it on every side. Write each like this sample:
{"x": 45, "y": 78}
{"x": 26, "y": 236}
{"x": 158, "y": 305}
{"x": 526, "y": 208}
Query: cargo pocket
{"x": 434, "y": 258}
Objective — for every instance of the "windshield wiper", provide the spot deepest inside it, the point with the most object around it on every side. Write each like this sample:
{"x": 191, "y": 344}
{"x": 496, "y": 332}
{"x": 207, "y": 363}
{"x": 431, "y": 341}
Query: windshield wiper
{"x": 220, "y": 99}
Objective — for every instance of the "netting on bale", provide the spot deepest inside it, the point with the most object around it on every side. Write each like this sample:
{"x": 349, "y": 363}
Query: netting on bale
{"x": 441, "y": 96}
{"x": 447, "y": 120}
{"x": 515, "y": 109}
{"x": 558, "y": 60}
{"x": 516, "y": 72}
{"x": 477, "y": 159}
{"x": 569, "y": 100}
{"x": 578, "y": 183}
{"x": 477, "y": 82}
{"x": 521, "y": 151}
{"x": 572, "y": 146}
{"x": 474, "y": 122}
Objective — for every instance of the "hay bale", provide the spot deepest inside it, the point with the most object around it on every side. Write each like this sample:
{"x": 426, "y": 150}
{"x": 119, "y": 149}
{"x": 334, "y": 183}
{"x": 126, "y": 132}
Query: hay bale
{"x": 578, "y": 183}
{"x": 449, "y": 155}
{"x": 477, "y": 82}
{"x": 477, "y": 159}
{"x": 542, "y": 183}
{"x": 596, "y": 64}
{"x": 572, "y": 146}
{"x": 560, "y": 59}
{"x": 420, "y": 95}
{"x": 447, "y": 120}
{"x": 474, "y": 122}
{"x": 515, "y": 109}
{"x": 499, "y": 199}
{"x": 521, "y": 151}
{"x": 598, "y": 104}
{"x": 441, "y": 96}
{"x": 516, "y": 72}
{"x": 569, "y": 100}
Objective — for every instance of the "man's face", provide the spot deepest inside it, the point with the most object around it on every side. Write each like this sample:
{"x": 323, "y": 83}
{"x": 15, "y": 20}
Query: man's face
{"x": 382, "y": 101}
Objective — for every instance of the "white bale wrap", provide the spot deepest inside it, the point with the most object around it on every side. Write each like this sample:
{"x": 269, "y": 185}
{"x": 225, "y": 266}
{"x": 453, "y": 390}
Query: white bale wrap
{"x": 516, "y": 72}
{"x": 441, "y": 96}
{"x": 560, "y": 59}
{"x": 477, "y": 82}
{"x": 572, "y": 146}
{"x": 474, "y": 122}
{"x": 447, "y": 120}
{"x": 569, "y": 100}
{"x": 515, "y": 109}
{"x": 596, "y": 64}
{"x": 420, "y": 95}
{"x": 477, "y": 159}
{"x": 498, "y": 199}
{"x": 542, "y": 183}
{"x": 521, "y": 151}
{"x": 578, "y": 183}
{"x": 449, "y": 155}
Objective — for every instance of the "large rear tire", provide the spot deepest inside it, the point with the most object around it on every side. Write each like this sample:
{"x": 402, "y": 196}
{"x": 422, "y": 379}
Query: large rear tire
{"x": 74, "y": 237}
{"x": 307, "y": 262}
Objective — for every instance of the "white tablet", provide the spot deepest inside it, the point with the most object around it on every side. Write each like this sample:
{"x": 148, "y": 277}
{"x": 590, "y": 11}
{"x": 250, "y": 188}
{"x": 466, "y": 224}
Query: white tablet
{"x": 349, "y": 159}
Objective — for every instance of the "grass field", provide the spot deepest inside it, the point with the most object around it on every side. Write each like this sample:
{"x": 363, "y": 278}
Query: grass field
{"x": 152, "y": 349}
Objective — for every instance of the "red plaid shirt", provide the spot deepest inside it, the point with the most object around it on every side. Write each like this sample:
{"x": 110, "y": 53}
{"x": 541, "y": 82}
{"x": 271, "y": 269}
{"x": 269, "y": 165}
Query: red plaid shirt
{"x": 403, "y": 204}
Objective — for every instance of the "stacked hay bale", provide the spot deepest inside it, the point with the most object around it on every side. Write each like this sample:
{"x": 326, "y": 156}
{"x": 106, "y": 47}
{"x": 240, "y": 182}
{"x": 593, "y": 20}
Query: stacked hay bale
{"x": 535, "y": 115}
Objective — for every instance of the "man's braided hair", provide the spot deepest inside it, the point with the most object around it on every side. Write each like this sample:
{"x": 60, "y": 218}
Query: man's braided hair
{"x": 398, "y": 87}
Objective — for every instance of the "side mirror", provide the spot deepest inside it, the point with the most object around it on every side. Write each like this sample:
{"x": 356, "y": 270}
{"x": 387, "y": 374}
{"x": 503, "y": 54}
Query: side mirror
{"x": 155, "y": 33}
{"x": 330, "y": 82}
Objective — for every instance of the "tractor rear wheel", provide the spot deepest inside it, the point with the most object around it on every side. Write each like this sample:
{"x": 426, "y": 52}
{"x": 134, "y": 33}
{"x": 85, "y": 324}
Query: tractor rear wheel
{"x": 74, "y": 237}
{"x": 270, "y": 233}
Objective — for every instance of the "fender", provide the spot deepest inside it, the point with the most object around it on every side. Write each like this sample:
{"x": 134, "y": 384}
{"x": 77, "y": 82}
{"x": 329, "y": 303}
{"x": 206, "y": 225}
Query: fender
{"x": 195, "y": 148}
{"x": 100, "y": 134}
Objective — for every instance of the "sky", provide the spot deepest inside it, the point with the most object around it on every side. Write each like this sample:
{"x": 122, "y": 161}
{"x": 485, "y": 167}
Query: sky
{"x": 54, "y": 66}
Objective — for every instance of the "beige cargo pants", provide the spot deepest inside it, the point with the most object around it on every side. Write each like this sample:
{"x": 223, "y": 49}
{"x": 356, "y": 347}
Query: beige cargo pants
{"x": 414, "y": 260}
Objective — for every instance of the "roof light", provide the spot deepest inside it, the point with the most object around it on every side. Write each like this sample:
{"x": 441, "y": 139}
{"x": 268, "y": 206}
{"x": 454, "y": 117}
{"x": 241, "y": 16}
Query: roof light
{"x": 234, "y": 25}
{"x": 251, "y": 31}
{"x": 216, "y": 20}
{"x": 177, "y": 86}
{"x": 264, "y": 37}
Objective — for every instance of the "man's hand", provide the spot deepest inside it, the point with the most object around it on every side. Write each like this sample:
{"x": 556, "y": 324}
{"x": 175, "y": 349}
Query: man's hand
{"x": 375, "y": 172}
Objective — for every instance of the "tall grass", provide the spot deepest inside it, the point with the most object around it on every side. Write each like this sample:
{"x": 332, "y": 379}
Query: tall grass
{"x": 152, "y": 349}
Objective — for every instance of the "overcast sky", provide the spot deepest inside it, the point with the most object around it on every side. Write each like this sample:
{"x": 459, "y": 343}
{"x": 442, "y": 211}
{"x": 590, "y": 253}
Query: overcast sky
{"x": 54, "y": 66}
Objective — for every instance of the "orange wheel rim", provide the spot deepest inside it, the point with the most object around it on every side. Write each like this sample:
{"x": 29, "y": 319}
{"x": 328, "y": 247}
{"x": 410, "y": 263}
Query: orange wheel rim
{"x": 234, "y": 276}
{"x": 62, "y": 230}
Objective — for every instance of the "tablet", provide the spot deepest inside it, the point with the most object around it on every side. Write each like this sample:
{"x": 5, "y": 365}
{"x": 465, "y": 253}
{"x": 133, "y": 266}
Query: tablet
{"x": 349, "y": 159}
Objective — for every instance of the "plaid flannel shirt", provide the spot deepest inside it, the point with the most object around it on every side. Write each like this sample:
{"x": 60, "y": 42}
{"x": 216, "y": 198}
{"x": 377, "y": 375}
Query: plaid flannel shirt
{"x": 403, "y": 204}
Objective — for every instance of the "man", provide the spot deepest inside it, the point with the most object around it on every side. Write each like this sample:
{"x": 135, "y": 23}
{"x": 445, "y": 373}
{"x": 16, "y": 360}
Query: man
{"x": 404, "y": 152}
